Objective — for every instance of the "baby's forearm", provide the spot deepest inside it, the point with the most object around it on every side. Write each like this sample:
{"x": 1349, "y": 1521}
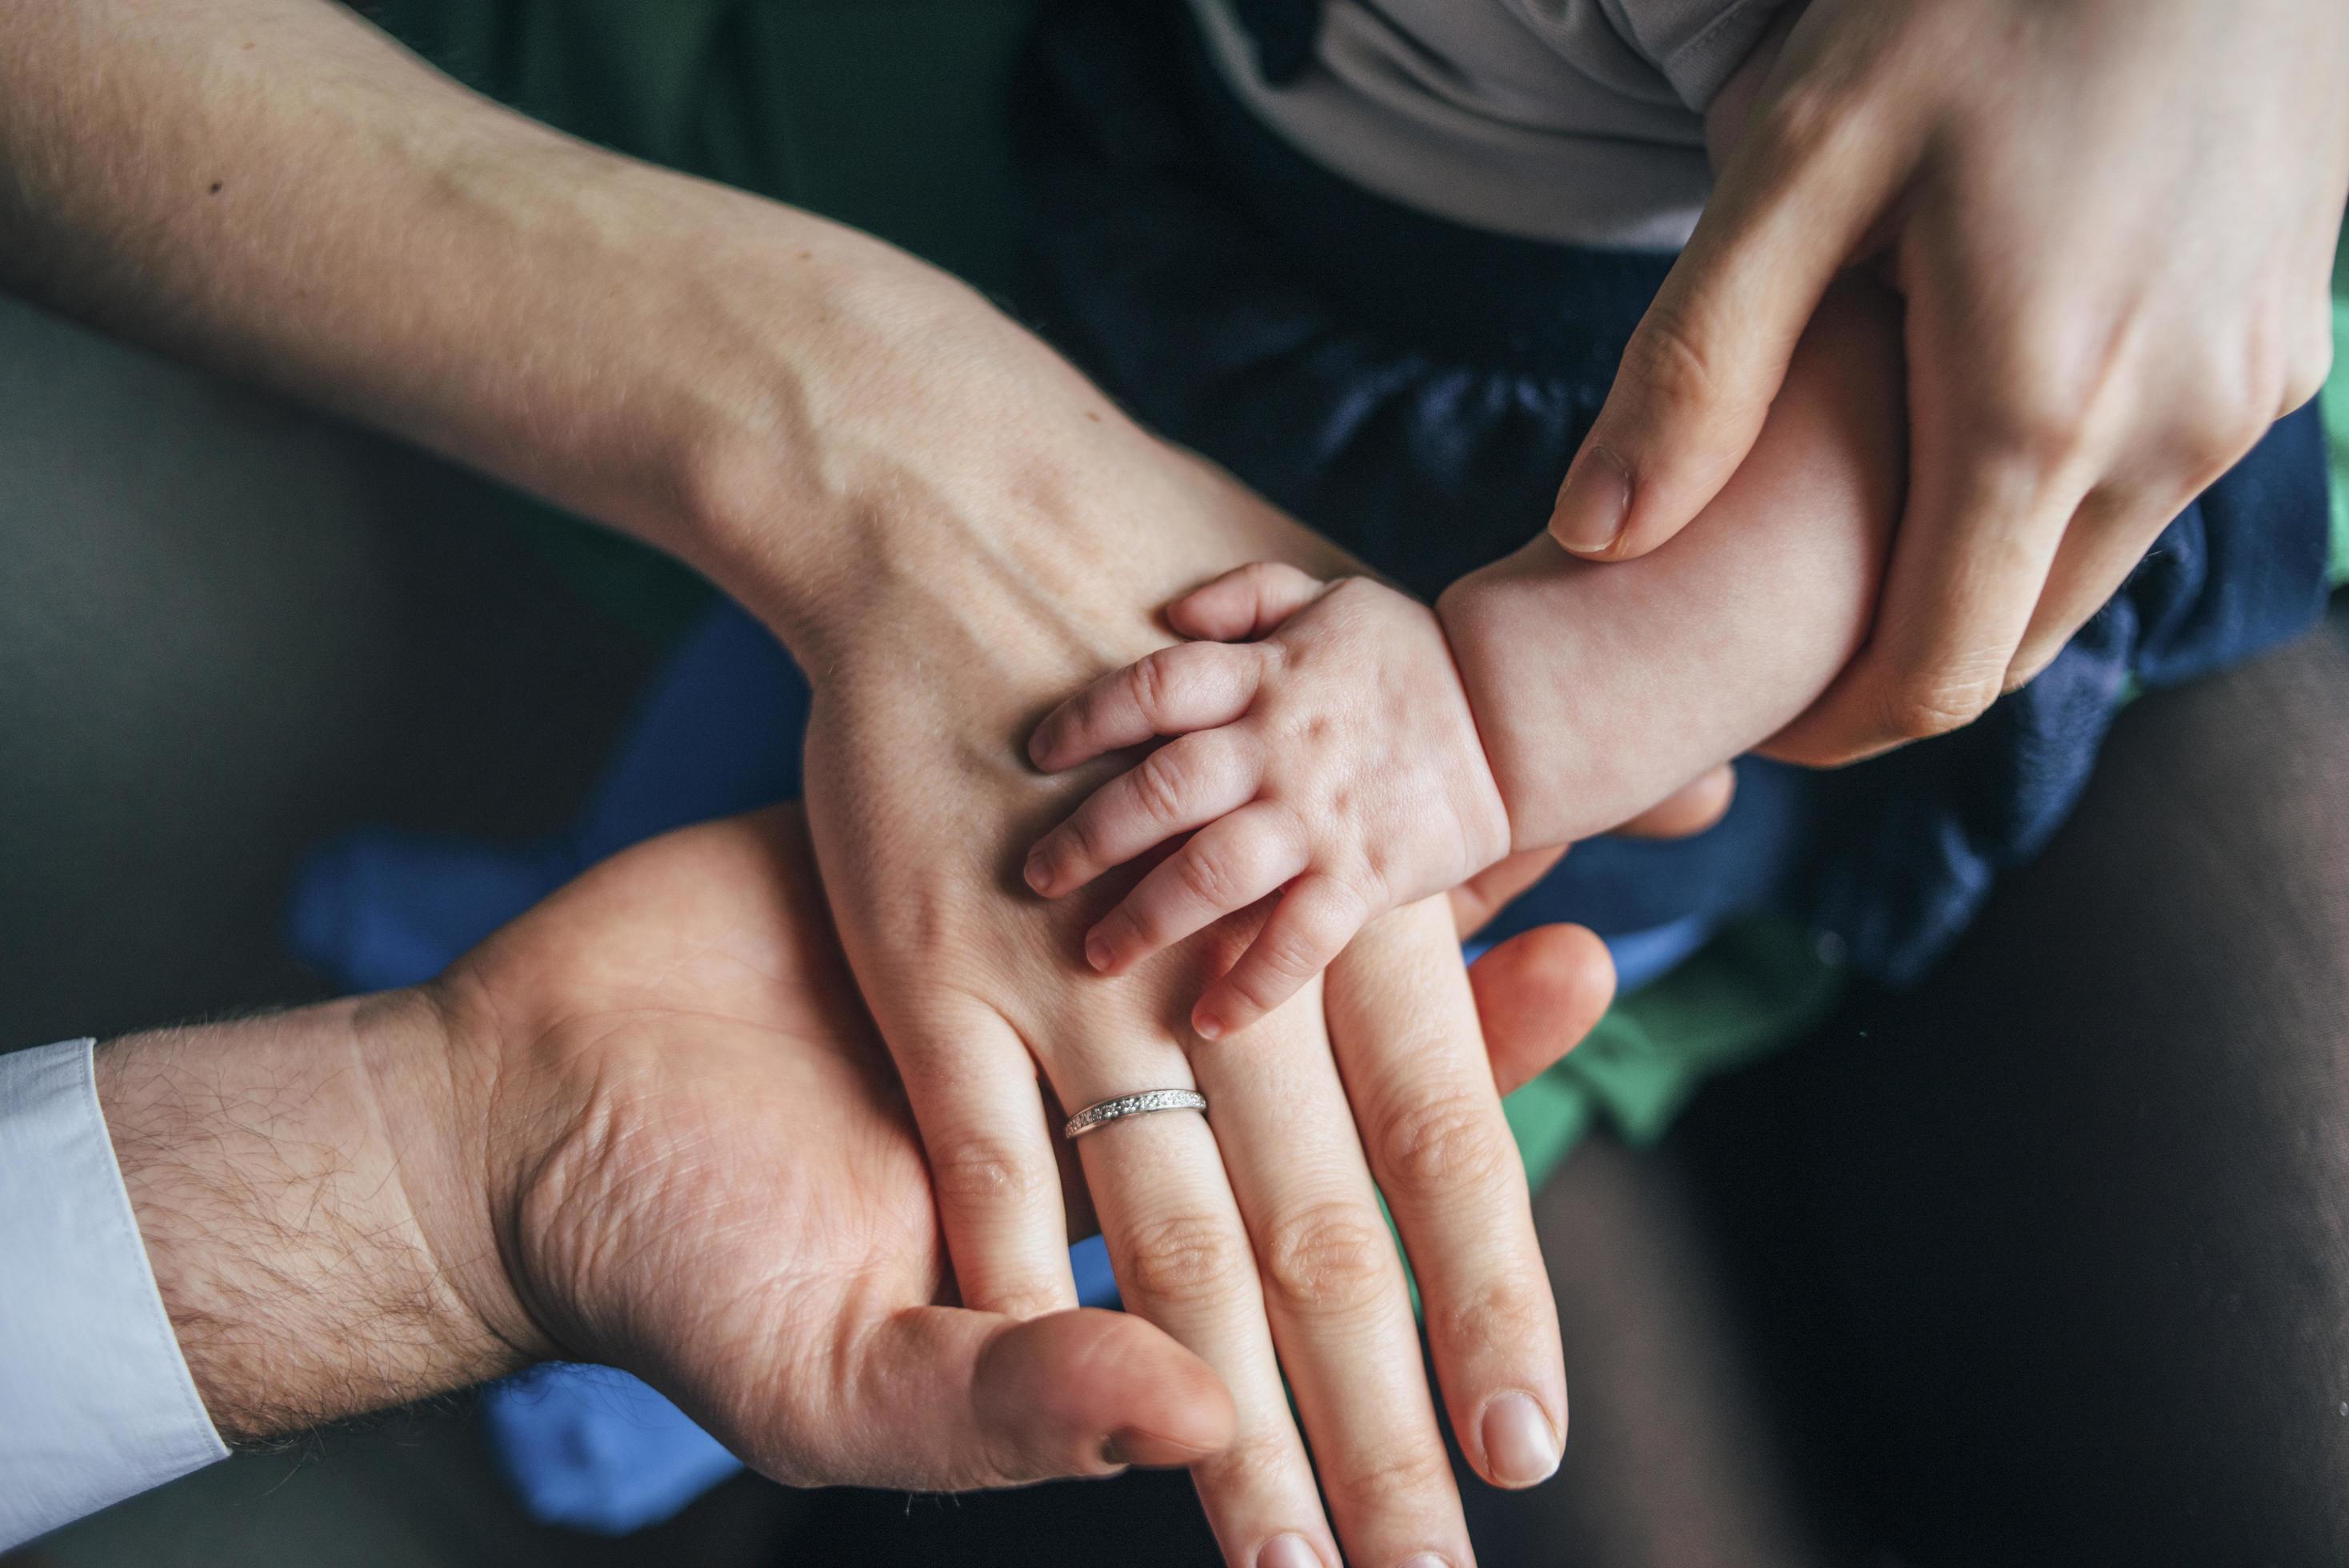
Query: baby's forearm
{"x": 1599, "y": 689}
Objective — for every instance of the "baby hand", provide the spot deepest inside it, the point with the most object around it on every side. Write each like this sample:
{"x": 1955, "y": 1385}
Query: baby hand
{"x": 1337, "y": 757}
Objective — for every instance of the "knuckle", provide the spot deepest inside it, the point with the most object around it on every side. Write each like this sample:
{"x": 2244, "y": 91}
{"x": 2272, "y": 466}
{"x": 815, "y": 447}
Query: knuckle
{"x": 985, "y": 1172}
{"x": 1253, "y": 1462}
{"x": 1332, "y": 1258}
{"x": 1163, "y": 782}
{"x": 1671, "y": 361}
{"x": 1502, "y": 1319}
{"x": 1447, "y": 1142}
{"x": 1385, "y": 1471}
{"x": 1943, "y": 700}
{"x": 1212, "y": 874}
{"x": 1184, "y": 1261}
{"x": 1153, "y": 681}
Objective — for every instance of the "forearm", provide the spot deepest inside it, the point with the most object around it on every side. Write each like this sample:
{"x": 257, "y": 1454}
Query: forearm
{"x": 274, "y": 188}
{"x": 278, "y": 1168}
{"x": 1599, "y": 689}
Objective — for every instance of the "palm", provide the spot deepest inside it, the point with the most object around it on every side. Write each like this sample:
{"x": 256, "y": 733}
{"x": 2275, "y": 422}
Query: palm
{"x": 735, "y": 1204}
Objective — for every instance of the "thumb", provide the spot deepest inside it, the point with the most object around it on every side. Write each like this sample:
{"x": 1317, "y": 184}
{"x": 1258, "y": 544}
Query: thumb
{"x": 948, "y": 1398}
{"x": 1699, "y": 375}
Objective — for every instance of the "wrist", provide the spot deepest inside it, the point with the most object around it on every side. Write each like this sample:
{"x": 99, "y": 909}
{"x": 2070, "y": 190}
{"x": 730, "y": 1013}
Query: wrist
{"x": 1524, "y": 711}
{"x": 273, "y": 1169}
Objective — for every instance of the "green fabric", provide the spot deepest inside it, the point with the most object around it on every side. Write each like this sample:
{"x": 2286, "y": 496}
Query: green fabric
{"x": 1755, "y": 988}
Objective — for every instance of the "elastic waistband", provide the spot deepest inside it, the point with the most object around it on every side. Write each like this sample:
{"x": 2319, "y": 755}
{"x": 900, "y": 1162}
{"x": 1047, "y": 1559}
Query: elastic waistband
{"x": 1452, "y": 291}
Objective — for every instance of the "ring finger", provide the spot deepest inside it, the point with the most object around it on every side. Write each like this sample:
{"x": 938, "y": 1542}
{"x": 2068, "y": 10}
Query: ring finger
{"x": 1181, "y": 1254}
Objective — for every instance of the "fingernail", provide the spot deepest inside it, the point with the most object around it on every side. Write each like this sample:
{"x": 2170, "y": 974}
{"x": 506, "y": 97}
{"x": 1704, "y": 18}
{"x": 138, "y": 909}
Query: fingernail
{"x": 1207, "y": 1025}
{"x": 1594, "y": 503}
{"x": 1097, "y": 952}
{"x": 1425, "y": 1559}
{"x": 1520, "y": 1449}
{"x": 1038, "y": 878}
{"x": 1287, "y": 1551}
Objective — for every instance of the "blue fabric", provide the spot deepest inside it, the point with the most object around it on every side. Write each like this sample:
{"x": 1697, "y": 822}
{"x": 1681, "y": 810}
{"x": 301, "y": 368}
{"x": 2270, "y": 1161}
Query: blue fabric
{"x": 1415, "y": 389}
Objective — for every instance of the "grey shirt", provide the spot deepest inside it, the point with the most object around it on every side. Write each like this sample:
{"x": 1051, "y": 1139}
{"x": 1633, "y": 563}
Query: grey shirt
{"x": 1576, "y": 121}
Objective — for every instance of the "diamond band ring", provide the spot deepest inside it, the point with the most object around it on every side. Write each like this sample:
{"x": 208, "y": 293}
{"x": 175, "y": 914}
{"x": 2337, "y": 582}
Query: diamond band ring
{"x": 1102, "y": 1112}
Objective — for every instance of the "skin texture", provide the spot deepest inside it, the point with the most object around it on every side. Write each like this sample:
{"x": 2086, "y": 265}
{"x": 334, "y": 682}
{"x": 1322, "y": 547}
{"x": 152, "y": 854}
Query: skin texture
{"x": 1338, "y": 745}
{"x": 951, "y": 530}
{"x": 2111, "y": 224}
{"x": 649, "y": 1123}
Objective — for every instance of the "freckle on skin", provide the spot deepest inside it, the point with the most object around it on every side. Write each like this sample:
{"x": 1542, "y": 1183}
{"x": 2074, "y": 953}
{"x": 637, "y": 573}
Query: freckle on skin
{"x": 216, "y": 187}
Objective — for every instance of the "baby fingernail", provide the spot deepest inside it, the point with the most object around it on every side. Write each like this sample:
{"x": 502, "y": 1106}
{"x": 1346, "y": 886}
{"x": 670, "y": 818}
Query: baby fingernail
{"x": 1097, "y": 952}
{"x": 1039, "y": 875}
{"x": 1208, "y": 1027}
{"x": 1592, "y": 508}
{"x": 1519, "y": 1446}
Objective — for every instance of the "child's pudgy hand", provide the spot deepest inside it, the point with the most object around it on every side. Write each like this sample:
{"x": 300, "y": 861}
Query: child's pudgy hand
{"x": 1336, "y": 758}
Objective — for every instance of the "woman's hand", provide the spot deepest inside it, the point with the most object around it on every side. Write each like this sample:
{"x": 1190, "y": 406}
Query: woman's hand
{"x": 2113, "y": 223}
{"x": 1026, "y": 567}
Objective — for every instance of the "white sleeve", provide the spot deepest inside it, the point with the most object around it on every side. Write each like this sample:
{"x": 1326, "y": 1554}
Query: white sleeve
{"x": 96, "y": 1401}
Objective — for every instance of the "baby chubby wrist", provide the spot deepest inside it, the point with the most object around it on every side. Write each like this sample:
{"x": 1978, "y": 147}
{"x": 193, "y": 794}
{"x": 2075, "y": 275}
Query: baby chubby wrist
{"x": 1485, "y": 621}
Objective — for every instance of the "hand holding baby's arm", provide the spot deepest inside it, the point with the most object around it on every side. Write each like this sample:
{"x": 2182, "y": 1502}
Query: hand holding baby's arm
{"x": 1334, "y": 757}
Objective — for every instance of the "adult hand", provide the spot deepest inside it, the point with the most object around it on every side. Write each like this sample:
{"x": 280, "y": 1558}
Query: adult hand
{"x": 648, "y": 1123}
{"x": 1252, "y": 1236}
{"x": 2113, "y": 224}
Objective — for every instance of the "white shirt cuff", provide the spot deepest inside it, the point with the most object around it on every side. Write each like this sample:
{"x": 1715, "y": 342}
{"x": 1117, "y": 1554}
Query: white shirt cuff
{"x": 96, "y": 1400}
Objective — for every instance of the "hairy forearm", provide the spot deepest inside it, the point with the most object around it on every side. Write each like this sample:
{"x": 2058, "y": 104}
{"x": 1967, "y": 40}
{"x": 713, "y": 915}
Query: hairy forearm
{"x": 280, "y": 1168}
{"x": 1599, "y": 689}
{"x": 275, "y": 188}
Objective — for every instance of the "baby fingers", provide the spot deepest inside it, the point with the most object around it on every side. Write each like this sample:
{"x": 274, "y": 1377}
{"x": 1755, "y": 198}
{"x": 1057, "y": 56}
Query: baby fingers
{"x": 1244, "y": 603}
{"x": 1315, "y": 920}
{"x": 1191, "y": 686}
{"x": 1224, "y": 867}
{"x": 1177, "y": 788}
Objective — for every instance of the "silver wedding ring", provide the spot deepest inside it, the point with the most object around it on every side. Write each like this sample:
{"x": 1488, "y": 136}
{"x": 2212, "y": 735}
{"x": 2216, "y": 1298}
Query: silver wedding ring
{"x": 1102, "y": 1112}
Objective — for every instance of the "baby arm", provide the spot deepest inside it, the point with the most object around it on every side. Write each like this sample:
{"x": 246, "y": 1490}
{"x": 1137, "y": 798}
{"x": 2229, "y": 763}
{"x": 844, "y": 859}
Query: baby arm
{"x": 1599, "y": 688}
{"x": 1339, "y": 741}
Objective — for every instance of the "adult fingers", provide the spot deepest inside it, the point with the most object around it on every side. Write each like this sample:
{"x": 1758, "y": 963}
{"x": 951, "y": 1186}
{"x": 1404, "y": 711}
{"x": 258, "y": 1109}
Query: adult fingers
{"x": 946, "y": 1399}
{"x": 1187, "y": 687}
{"x": 1335, "y": 1291}
{"x": 1183, "y": 1262}
{"x": 2108, "y": 537}
{"x": 1968, "y": 564}
{"x": 1247, "y": 601}
{"x": 1403, "y": 1021}
{"x": 1177, "y": 788}
{"x": 1227, "y": 866}
{"x": 972, "y": 1086}
{"x": 1538, "y": 994}
{"x": 1490, "y": 891}
{"x": 1794, "y": 203}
